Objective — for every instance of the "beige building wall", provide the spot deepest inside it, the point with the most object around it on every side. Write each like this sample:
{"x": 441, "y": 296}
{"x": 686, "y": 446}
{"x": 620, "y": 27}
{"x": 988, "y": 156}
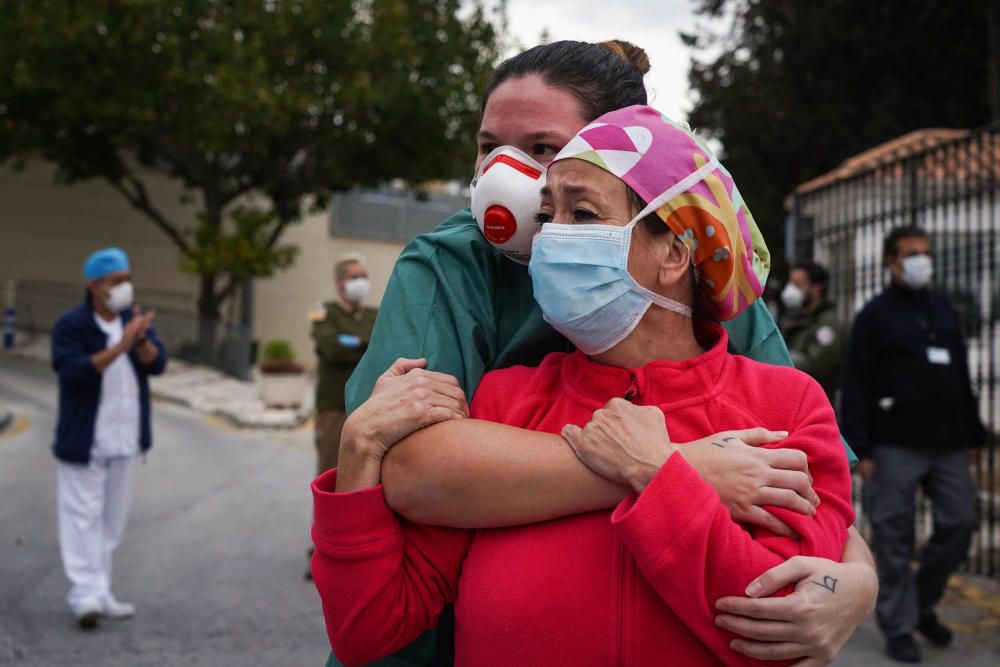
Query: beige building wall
{"x": 282, "y": 303}
{"x": 47, "y": 230}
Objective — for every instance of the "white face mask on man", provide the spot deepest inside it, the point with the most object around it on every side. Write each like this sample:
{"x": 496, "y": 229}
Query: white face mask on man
{"x": 917, "y": 271}
{"x": 792, "y": 297}
{"x": 356, "y": 289}
{"x": 120, "y": 297}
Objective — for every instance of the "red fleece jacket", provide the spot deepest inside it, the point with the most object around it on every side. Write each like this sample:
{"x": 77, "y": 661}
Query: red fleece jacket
{"x": 635, "y": 586}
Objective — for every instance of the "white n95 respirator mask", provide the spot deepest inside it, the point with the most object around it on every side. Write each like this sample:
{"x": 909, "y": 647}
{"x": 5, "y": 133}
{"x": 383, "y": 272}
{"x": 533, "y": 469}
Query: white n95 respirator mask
{"x": 505, "y": 199}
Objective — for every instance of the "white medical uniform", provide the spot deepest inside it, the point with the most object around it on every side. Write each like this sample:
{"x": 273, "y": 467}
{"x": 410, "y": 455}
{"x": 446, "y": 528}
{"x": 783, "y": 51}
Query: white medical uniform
{"x": 94, "y": 498}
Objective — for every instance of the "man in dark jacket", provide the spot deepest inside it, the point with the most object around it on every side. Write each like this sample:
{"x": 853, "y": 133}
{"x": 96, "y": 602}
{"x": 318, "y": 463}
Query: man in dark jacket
{"x": 909, "y": 412}
{"x": 104, "y": 350}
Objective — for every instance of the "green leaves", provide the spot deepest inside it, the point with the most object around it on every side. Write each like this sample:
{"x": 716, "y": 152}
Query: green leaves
{"x": 277, "y": 350}
{"x": 288, "y": 99}
{"x": 242, "y": 249}
{"x": 800, "y": 86}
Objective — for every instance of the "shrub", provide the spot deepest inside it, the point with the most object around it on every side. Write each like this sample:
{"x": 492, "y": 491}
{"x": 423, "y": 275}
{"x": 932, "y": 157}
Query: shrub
{"x": 277, "y": 356}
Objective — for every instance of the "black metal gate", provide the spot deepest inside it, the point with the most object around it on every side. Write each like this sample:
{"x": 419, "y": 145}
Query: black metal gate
{"x": 945, "y": 181}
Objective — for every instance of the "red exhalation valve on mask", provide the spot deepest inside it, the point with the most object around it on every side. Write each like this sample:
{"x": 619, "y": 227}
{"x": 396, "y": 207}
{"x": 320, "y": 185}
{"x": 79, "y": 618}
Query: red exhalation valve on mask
{"x": 499, "y": 224}
{"x": 505, "y": 199}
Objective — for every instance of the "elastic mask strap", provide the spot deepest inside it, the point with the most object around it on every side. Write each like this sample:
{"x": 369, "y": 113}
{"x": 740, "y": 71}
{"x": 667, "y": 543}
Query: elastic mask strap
{"x": 650, "y": 295}
{"x": 669, "y": 304}
{"x": 678, "y": 188}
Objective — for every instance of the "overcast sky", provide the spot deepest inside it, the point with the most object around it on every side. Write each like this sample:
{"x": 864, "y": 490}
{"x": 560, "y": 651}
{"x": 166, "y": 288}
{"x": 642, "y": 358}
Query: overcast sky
{"x": 651, "y": 24}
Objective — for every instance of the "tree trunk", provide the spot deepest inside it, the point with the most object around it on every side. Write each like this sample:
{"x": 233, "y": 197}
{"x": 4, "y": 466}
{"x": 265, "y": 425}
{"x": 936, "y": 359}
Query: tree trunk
{"x": 209, "y": 302}
{"x": 208, "y": 321}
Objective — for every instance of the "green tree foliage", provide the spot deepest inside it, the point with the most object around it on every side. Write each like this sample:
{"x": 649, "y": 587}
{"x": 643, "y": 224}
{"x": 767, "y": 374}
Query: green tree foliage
{"x": 289, "y": 100}
{"x": 800, "y": 85}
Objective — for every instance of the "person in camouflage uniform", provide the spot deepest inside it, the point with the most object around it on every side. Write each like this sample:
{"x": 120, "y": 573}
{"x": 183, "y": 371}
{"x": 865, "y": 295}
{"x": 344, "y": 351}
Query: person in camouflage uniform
{"x": 813, "y": 331}
{"x": 340, "y": 330}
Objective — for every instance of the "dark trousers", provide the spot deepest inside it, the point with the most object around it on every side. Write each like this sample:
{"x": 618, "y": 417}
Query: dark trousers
{"x": 327, "y": 428}
{"x": 890, "y": 504}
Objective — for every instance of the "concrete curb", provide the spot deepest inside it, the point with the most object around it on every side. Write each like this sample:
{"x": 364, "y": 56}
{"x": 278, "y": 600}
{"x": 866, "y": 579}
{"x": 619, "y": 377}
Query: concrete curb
{"x": 234, "y": 401}
{"x": 279, "y": 423}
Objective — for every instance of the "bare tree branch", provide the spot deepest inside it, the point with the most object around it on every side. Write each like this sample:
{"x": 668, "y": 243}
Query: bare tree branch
{"x": 227, "y": 289}
{"x": 276, "y": 233}
{"x": 195, "y": 167}
{"x": 135, "y": 192}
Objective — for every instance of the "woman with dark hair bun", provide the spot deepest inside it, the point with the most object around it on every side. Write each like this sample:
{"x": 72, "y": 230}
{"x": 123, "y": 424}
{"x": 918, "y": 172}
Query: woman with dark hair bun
{"x": 457, "y": 306}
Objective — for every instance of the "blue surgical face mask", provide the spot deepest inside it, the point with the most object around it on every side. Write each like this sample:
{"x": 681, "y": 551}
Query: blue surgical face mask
{"x": 582, "y": 284}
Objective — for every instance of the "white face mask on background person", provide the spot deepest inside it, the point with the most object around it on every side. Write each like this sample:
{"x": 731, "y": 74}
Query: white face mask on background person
{"x": 356, "y": 289}
{"x": 792, "y": 296}
{"x": 120, "y": 297}
{"x": 505, "y": 198}
{"x": 917, "y": 271}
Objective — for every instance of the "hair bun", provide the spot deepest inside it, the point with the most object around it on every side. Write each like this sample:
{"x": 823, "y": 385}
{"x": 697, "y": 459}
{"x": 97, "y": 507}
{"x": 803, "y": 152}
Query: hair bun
{"x": 628, "y": 52}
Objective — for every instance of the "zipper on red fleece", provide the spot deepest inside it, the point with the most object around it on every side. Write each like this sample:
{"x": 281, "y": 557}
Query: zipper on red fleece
{"x": 621, "y": 642}
{"x": 619, "y": 656}
{"x": 632, "y": 393}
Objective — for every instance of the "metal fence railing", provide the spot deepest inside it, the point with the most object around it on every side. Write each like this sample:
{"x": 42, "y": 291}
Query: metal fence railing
{"x": 952, "y": 190}
{"x": 38, "y": 304}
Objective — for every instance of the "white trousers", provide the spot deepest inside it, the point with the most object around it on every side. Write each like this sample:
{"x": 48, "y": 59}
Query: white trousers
{"x": 94, "y": 501}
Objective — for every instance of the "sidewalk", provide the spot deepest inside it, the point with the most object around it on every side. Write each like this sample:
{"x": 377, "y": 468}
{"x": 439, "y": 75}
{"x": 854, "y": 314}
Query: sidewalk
{"x": 202, "y": 389}
{"x": 971, "y": 608}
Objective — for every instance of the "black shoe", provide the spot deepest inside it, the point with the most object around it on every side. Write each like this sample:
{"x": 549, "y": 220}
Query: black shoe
{"x": 936, "y": 632}
{"x": 903, "y": 649}
{"x": 88, "y": 619}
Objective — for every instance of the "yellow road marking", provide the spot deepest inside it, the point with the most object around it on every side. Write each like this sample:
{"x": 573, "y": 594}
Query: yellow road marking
{"x": 970, "y": 594}
{"x": 20, "y": 425}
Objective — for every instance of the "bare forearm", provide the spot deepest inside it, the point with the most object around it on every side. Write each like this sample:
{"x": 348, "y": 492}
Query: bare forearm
{"x": 357, "y": 469}
{"x": 103, "y": 359}
{"x": 856, "y": 550}
{"x": 147, "y": 352}
{"x": 477, "y": 474}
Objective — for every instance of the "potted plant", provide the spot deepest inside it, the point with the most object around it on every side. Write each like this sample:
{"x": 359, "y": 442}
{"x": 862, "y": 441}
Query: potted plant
{"x": 281, "y": 381}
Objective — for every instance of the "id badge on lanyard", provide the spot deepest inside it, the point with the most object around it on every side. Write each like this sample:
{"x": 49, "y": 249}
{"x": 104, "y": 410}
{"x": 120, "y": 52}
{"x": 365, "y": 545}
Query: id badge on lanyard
{"x": 939, "y": 355}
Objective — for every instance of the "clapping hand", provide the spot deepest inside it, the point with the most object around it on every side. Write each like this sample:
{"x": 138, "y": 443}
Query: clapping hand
{"x": 137, "y": 327}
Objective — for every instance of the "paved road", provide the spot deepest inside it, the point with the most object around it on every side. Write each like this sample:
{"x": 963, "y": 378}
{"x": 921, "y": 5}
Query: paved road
{"x": 213, "y": 556}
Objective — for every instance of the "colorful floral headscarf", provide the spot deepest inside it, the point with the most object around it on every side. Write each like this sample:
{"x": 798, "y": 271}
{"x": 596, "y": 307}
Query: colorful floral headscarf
{"x": 677, "y": 174}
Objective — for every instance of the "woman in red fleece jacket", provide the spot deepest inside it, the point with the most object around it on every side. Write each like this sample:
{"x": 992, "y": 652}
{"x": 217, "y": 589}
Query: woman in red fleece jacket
{"x": 637, "y": 585}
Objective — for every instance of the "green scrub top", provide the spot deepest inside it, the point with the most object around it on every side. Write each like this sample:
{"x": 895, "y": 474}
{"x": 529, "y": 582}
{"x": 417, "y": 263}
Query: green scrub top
{"x": 457, "y": 301}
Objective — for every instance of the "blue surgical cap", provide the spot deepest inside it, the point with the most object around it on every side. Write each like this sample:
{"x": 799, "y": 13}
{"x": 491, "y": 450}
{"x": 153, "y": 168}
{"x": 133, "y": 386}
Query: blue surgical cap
{"x": 103, "y": 262}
